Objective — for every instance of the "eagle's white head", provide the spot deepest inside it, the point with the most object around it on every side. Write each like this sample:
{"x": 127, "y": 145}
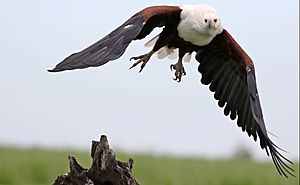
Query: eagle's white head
{"x": 199, "y": 24}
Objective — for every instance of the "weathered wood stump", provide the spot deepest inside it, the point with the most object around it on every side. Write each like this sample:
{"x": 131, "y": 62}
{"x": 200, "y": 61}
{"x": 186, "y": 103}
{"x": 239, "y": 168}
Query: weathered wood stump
{"x": 105, "y": 169}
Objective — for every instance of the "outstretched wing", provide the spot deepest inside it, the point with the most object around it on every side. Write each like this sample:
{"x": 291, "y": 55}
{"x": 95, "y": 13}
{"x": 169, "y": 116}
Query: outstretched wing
{"x": 114, "y": 44}
{"x": 230, "y": 74}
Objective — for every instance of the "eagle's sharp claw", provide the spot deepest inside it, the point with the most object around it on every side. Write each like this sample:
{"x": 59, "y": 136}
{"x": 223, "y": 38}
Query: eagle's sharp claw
{"x": 179, "y": 71}
{"x": 141, "y": 59}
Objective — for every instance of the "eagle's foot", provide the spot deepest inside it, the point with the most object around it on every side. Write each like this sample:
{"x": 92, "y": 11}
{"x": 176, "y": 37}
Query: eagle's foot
{"x": 141, "y": 59}
{"x": 179, "y": 70}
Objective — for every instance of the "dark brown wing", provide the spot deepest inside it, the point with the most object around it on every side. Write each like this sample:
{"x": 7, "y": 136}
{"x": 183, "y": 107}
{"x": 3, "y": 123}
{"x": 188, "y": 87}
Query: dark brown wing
{"x": 114, "y": 44}
{"x": 230, "y": 74}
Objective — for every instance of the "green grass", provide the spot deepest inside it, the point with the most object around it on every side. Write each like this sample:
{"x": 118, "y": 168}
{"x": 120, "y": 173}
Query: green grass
{"x": 41, "y": 167}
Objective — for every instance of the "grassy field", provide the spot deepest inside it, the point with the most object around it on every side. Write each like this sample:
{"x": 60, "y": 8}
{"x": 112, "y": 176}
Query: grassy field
{"x": 41, "y": 167}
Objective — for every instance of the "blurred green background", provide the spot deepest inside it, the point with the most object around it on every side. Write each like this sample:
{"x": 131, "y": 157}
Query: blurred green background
{"x": 36, "y": 166}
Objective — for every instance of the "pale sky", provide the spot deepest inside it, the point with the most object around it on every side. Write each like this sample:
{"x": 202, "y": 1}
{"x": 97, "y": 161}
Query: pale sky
{"x": 147, "y": 112}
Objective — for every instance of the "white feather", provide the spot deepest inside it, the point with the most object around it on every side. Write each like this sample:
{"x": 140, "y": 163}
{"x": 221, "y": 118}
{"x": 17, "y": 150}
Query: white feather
{"x": 128, "y": 26}
{"x": 162, "y": 53}
{"x": 173, "y": 53}
{"x": 187, "y": 57}
{"x": 151, "y": 42}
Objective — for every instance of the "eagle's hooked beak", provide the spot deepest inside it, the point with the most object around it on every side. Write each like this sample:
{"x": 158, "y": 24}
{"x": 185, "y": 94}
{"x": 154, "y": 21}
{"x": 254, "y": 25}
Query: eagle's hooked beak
{"x": 209, "y": 24}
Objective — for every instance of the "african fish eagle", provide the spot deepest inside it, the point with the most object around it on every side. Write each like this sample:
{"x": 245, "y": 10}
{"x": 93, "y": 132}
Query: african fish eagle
{"x": 224, "y": 65}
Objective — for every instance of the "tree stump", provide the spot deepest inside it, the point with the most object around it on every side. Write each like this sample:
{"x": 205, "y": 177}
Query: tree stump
{"x": 105, "y": 169}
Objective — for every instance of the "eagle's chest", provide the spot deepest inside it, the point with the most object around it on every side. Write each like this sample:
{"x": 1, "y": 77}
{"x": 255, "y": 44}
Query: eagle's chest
{"x": 189, "y": 33}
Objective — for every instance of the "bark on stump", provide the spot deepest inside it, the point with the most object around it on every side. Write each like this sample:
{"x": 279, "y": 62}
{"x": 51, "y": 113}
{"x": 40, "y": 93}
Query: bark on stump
{"x": 105, "y": 169}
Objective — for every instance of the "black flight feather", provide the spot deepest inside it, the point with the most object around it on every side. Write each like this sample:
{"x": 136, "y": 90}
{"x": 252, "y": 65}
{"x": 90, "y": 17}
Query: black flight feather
{"x": 234, "y": 84}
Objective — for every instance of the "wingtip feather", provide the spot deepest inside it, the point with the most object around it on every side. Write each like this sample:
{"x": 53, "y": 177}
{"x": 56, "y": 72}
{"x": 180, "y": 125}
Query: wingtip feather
{"x": 54, "y": 70}
{"x": 279, "y": 160}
